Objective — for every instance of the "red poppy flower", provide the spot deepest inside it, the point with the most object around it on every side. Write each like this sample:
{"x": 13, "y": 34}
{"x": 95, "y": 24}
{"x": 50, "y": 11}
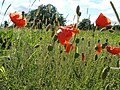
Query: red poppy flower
{"x": 17, "y": 19}
{"x": 83, "y": 56}
{"x": 98, "y": 48}
{"x": 102, "y": 20}
{"x": 68, "y": 46}
{"x": 65, "y": 33}
{"x": 113, "y": 50}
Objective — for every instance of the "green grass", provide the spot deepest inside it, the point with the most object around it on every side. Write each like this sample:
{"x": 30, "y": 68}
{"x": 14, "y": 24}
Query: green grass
{"x": 27, "y": 67}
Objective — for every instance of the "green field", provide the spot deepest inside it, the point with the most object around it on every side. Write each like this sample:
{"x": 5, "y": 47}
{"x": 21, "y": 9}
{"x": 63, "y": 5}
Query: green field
{"x": 28, "y": 65}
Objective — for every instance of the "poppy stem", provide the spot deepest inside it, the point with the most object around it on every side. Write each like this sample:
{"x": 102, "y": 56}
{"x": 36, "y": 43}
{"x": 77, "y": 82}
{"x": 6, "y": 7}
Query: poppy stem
{"x": 115, "y": 68}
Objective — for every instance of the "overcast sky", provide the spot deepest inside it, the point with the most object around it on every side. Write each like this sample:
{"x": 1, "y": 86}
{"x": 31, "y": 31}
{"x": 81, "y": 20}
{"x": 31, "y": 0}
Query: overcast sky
{"x": 65, "y": 7}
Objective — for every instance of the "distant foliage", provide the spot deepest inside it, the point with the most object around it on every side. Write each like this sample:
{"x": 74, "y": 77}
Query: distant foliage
{"x": 85, "y": 24}
{"x": 44, "y": 15}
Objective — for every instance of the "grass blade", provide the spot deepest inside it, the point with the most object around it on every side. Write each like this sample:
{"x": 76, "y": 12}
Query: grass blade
{"x": 2, "y": 3}
{"x": 5, "y": 13}
{"x": 7, "y": 9}
{"x": 33, "y": 3}
{"x": 115, "y": 11}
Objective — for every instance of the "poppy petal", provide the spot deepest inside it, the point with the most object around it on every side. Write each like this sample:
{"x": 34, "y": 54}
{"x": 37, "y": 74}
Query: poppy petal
{"x": 102, "y": 20}
{"x": 17, "y": 19}
{"x": 113, "y": 50}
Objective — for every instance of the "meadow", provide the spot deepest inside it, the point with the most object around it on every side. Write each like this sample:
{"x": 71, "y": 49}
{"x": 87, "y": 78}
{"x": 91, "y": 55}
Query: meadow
{"x": 34, "y": 59}
{"x": 28, "y": 64}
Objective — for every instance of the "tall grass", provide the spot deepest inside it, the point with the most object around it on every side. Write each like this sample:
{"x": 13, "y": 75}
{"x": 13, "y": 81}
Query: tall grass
{"x": 28, "y": 65}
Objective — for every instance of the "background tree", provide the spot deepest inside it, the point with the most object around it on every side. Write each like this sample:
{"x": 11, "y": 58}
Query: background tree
{"x": 85, "y": 24}
{"x": 44, "y": 15}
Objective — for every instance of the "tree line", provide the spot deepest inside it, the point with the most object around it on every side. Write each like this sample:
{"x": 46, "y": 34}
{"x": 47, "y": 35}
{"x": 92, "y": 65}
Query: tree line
{"x": 48, "y": 14}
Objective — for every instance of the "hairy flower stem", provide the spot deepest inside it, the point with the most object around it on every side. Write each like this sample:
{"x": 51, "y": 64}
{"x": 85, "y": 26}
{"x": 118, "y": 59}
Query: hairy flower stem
{"x": 115, "y": 11}
{"x": 76, "y": 47}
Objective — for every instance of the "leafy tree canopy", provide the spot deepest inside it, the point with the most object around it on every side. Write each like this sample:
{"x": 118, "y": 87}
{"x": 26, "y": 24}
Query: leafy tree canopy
{"x": 44, "y": 15}
{"x": 85, "y": 24}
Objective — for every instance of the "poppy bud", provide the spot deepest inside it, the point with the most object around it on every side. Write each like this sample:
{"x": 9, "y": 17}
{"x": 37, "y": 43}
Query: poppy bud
{"x": 105, "y": 58}
{"x": 98, "y": 40}
{"x": 119, "y": 43}
{"x": 105, "y": 72}
{"x": 61, "y": 51}
{"x": 96, "y": 48}
{"x": 23, "y": 14}
{"x": 96, "y": 57}
{"x": 82, "y": 39}
{"x": 40, "y": 38}
{"x": 55, "y": 38}
{"x": 50, "y": 47}
{"x": 78, "y": 11}
{"x": 76, "y": 55}
{"x": 77, "y": 40}
{"x": 58, "y": 41}
{"x": 9, "y": 58}
{"x": 118, "y": 63}
{"x": 104, "y": 45}
{"x": 106, "y": 40}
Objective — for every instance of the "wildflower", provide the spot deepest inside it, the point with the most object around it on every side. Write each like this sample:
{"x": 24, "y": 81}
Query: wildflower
{"x": 98, "y": 48}
{"x": 66, "y": 32}
{"x": 102, "y": 20}
{"x": 18, "y": 19}
{"x": 113, "y": 50}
